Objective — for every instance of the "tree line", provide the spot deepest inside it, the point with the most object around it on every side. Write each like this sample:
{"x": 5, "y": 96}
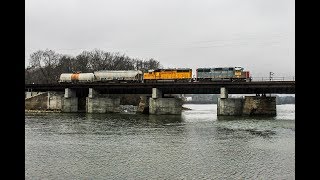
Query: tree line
{"x": 46, "y": 66}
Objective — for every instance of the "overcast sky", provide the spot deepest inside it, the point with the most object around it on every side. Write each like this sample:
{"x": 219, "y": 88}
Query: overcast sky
{"x": 255, "y": 34}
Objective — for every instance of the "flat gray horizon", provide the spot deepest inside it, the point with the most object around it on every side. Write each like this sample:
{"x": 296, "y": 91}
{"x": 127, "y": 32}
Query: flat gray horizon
{"x": 258, "y": 35}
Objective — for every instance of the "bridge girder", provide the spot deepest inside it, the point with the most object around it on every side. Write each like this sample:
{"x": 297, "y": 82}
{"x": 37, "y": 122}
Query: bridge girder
{"x": 269, "y": 87}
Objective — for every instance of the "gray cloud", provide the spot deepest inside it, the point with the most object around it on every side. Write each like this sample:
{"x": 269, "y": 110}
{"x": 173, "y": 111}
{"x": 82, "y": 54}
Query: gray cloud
{"x": 255, "y": 34}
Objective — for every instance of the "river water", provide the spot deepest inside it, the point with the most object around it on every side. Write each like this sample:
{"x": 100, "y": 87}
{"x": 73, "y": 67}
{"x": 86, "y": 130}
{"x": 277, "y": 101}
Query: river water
{"x": 194, "y": 145}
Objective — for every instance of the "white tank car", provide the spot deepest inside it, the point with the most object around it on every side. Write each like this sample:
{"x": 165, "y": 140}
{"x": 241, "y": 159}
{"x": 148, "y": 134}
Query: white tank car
{"x": 76, "y": 77}
{"x": 128, "y": 76}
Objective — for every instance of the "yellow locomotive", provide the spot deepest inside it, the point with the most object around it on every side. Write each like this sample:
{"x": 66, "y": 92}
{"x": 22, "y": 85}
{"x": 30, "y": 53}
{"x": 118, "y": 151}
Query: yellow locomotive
{"x": 164, "y": 75}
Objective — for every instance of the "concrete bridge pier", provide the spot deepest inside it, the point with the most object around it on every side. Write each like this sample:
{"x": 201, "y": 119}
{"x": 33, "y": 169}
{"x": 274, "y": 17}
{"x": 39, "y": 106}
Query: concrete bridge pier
{"x": 70, "y": 101}
{"x": 247, "y": 106}
{"x": 28, "y": 94}
{"x": 229, "y": 106}
{"x": 101, "y": 103}
{"x": 259, "y": 105}
{"x": 160, "y": 105}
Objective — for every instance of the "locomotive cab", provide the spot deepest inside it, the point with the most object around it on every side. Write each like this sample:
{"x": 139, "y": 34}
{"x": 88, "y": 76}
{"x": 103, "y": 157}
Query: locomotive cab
{"x": 238, "y": 72}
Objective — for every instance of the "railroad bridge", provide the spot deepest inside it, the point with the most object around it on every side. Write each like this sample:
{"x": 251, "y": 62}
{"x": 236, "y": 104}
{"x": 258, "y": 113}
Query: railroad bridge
{"x": 156, "y": 97}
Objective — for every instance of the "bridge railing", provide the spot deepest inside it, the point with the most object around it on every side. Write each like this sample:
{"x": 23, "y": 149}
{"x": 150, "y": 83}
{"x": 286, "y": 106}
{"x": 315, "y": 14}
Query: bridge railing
{"x": 291, "y": 78}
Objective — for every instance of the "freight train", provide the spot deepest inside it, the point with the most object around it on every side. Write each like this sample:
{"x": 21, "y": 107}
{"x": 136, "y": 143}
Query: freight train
{"x": 159, "y": 75}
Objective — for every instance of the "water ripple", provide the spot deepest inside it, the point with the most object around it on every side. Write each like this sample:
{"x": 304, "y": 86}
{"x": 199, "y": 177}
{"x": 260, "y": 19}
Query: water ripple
{"x": 195, "y": 145}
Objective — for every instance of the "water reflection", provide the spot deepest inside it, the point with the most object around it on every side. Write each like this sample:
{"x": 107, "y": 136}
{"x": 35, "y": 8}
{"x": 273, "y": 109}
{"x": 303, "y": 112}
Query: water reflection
{"x": 244, "y": 118}
{"x": 225, "y": 132}
{"x": 165, "y": 119}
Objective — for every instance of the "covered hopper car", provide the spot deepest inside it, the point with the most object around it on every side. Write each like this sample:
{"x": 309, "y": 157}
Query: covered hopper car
{"x": 118, "y": 76}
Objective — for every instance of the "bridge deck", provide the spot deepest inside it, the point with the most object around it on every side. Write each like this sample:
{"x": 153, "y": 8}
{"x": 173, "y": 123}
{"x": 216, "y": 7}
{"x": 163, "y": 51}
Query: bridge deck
{"x": 273, "y": 87}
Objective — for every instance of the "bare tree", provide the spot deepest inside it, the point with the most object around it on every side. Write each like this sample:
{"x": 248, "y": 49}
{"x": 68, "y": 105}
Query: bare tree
{"x": 45, "y": 61}
{"x": 46, "y": 66}
{"x": 153, "y": 64}
{"x": 97, "y": 60}
{"x": 65, "y": 64}
{"x": 81, "y": 62}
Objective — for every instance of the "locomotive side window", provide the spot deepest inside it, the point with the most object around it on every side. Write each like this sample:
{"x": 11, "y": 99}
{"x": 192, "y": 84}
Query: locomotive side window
{"x": 203, "y": 70}
{"x": 187, "y": 70}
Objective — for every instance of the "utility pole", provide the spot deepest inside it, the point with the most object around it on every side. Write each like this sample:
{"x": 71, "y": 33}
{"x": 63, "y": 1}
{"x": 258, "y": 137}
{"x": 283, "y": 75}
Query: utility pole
{"x": 270, "y": 75}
